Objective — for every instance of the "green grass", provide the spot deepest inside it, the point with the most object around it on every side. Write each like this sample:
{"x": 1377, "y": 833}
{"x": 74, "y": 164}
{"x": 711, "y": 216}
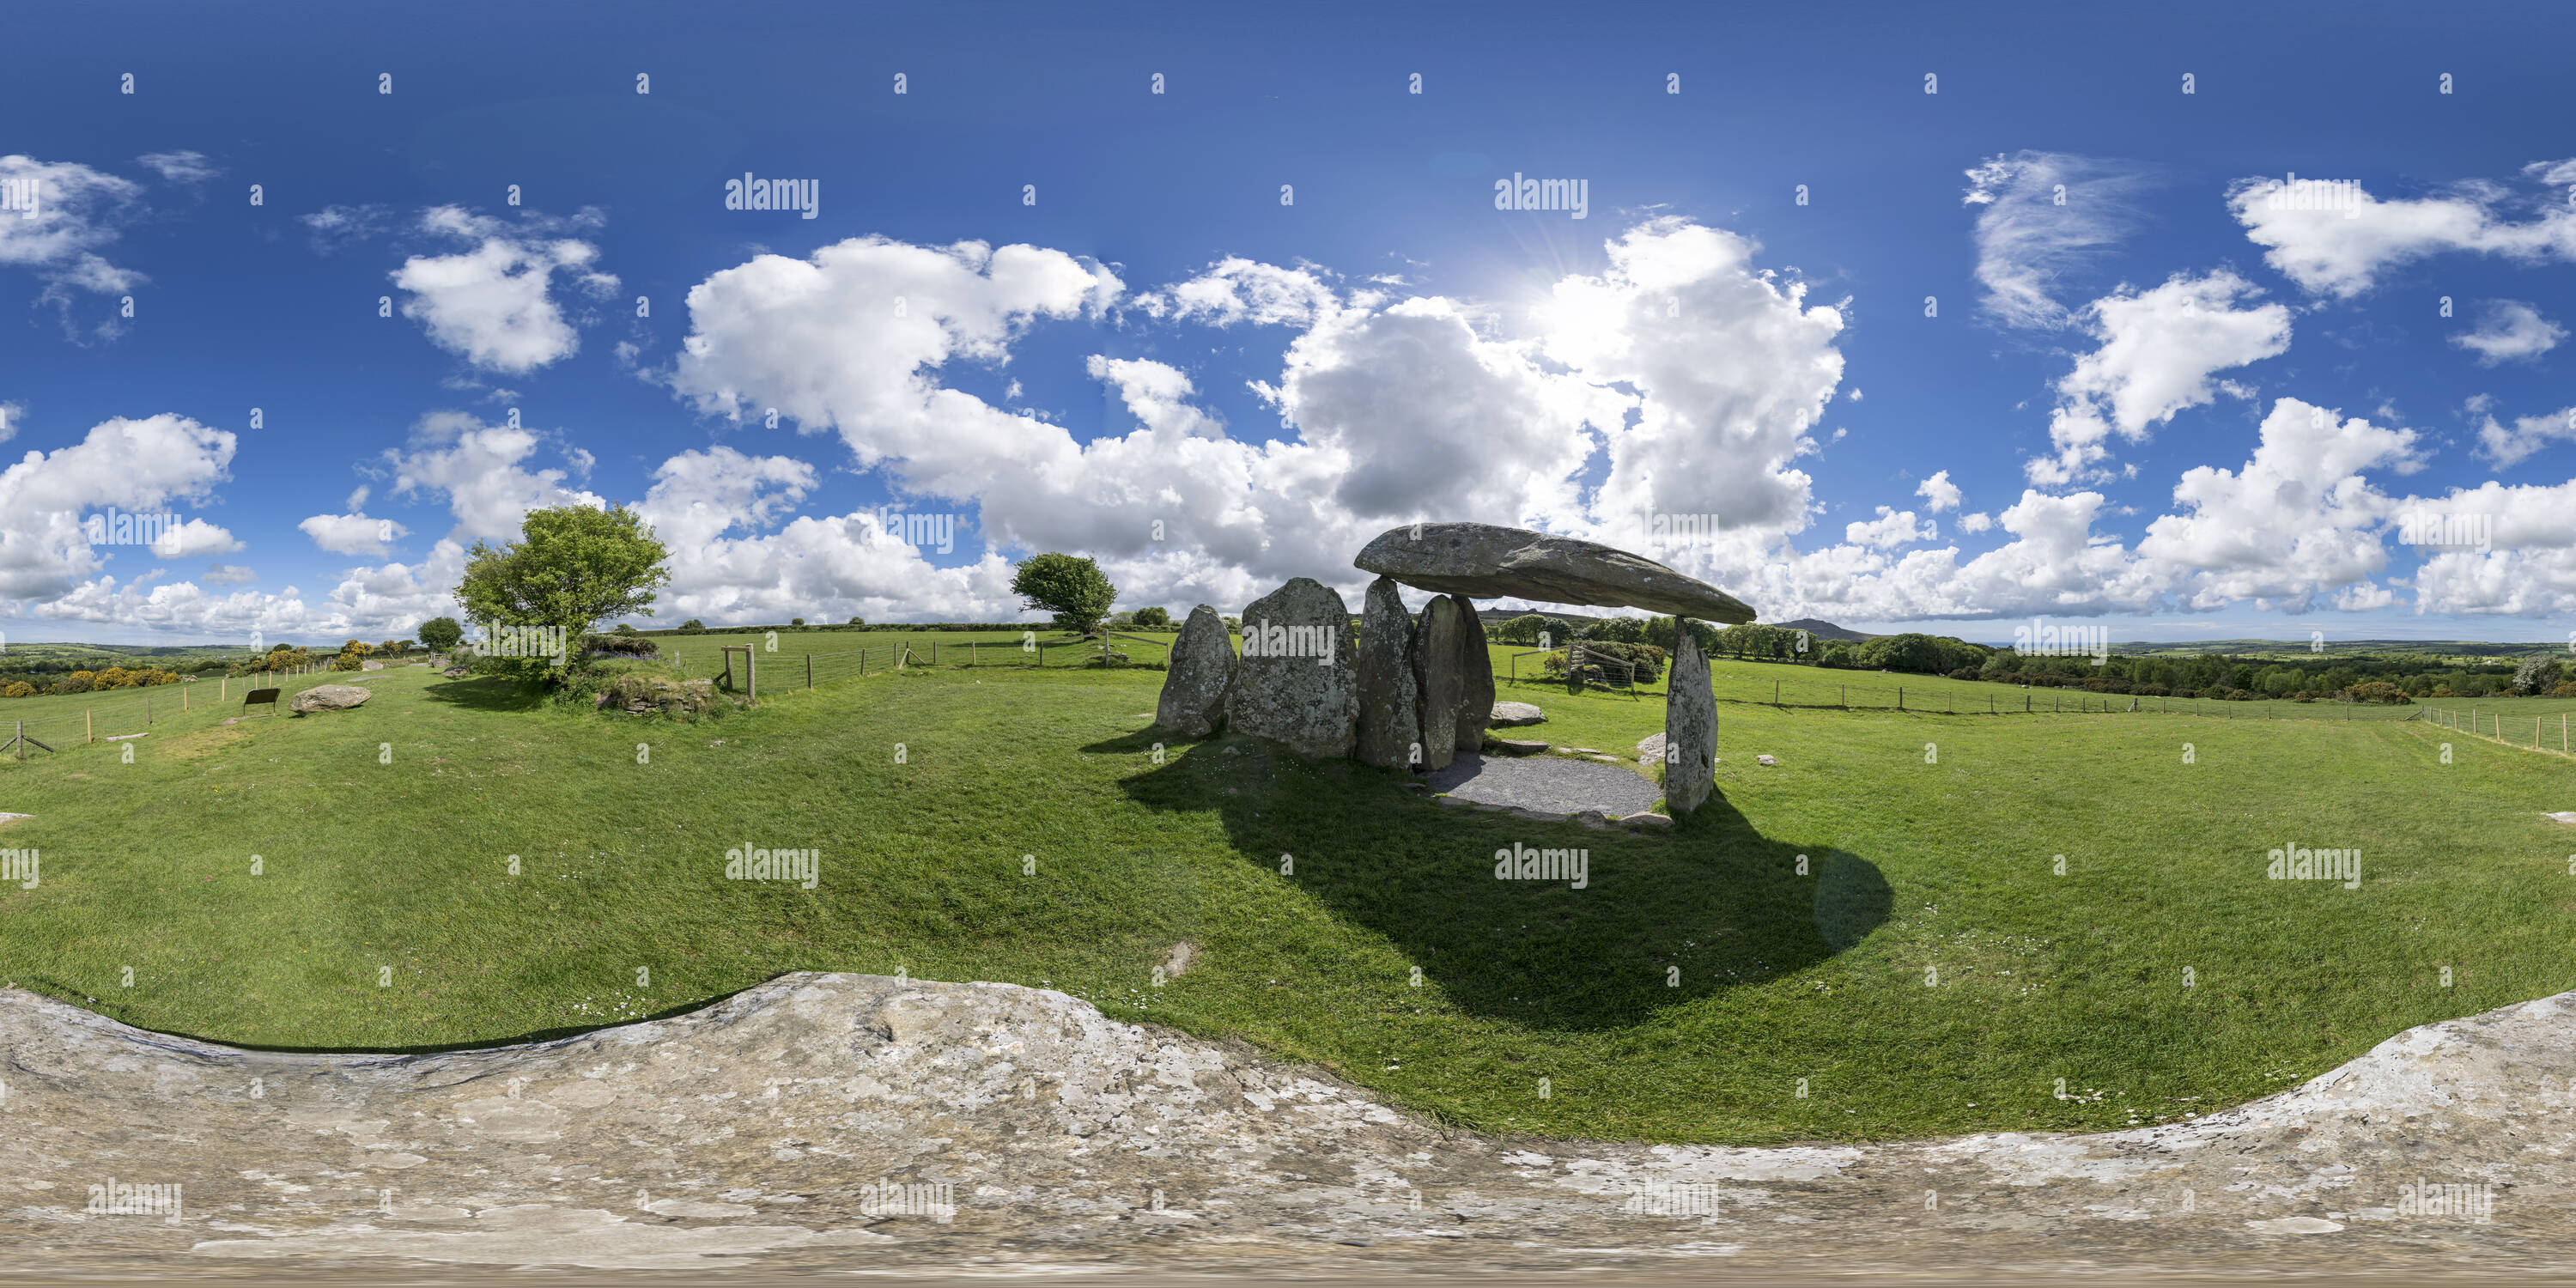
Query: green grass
{"x": 1940, "y": 857}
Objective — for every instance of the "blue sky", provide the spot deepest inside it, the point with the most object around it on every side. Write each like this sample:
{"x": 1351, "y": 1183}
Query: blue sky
{"x": 1066, "y": 312}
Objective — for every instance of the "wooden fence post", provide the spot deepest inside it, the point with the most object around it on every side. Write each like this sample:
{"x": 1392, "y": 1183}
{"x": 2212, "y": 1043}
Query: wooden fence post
{"x": 88, "y": 733}
{"x": 1900, "y": 697}
{"x": 809, "y": 670}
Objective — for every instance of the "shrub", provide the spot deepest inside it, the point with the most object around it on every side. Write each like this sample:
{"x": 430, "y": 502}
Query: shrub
{"x": 858, "y": 621}
{"x": 692, "y": 627}
{"x": 621, "y": 646}
{"x": 2537, "y": 675}
{"x": 2380, "y": 691}
{"x": 1154, "y": 616}
{"x": 795, "y": 621}
{"x": 626, "y": 628}
{"x": 348, "y": 662}
{"x": 19, "y": 689}
{"x": 1648, "y": 659}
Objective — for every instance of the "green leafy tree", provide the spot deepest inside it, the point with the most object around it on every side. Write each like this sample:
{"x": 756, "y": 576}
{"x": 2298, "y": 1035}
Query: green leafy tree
{"x": 440, "y": 633}
{"x": 2537, "y": 675}
{"x": 1155, "y": 616}
{"x": 795, "y": 621}
{"x": 1074, "y": 589}
{"x": 572, "y": 567}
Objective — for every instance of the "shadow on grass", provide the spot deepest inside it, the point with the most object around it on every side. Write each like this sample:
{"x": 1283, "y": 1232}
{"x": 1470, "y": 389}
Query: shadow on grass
{"x": 1662, "y": 918}
{"x": 487, "y": 693}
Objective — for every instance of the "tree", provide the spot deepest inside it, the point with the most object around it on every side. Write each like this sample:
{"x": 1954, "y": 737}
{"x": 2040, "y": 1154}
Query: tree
{"x": 572, "y": 567}
{"x": 2537, "y": 675}
{"x": 858, "y": 621}
{"x": 1073, "y": 589}
{"x": 440, "y": 633}
{"x": 1156, "y": 616}
{"x": 693, "y": 627}
{"x": 795, "y": 621}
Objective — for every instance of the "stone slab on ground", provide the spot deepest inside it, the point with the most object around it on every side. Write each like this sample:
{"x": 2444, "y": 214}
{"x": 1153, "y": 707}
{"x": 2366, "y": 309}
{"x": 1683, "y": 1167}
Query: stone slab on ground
{"x": 1547, "y": 783}
{"x": 1508, "y": 715}
{"x": 739, "y": 1139}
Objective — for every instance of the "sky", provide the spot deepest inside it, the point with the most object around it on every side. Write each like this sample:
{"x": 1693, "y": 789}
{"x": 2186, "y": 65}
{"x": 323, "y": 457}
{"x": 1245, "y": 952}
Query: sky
{"x": 1904, "y": 317}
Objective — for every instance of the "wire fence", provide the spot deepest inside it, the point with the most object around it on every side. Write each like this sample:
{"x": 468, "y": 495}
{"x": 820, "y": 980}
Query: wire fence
{"x": 1957, "y": 697}
{"x": 748, "y": 668}
{"x": 118, "y": 715}
{"x": 2498, "y": 727}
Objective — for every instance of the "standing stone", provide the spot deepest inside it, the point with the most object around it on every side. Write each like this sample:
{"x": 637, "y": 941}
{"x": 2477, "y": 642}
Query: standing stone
{"x": 1437, "y": 652}
{"x": 1390, "y": 711}
{"x": 1296, "y": 685}
{"x": 1202, "y": 669}
{"x": 1475, "y": 679}
{"x": 1690, "y": 726}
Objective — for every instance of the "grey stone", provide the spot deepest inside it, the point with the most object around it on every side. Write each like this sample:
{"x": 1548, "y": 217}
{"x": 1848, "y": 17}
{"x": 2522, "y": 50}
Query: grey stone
{"x": 457, "y": 672}
{"x": 1648, "y": 820}
{"x": 328, "y": 697}
{"x": 1511, "y": 714}
{"x": 1437, "y": 650}
{"x": 1390, "y": 729}
{"x": 371, "y": 665}
{"x": 1764, "y": 760}
{"x": 1650, "y": 749}
{"x": 746, "y": 1137}
{"x": 1201, "y": 670}
{"x": 1491, "y": 562}
{"x": 1515, "y": 746}
{"x": 1475, "y": 678}
{"x": 1288, "y": 688}
{"x": 1690, "y": 728}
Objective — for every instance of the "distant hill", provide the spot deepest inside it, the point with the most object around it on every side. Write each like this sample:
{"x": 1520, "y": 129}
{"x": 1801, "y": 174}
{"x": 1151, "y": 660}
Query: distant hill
{"x": 1823, "y": 630}
{"x": 2347, "y": 648}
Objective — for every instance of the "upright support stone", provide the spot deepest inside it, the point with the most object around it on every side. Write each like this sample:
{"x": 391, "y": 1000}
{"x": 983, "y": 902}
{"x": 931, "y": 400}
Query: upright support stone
{"x": 1475, "y": 679}
{"x": 1690, "y": 726}
{"x": 1390, "y": 728}
{"x": 1202, "y": 669}
{"x": 1295, "y": 684}
{"x": 1438, "y": 654}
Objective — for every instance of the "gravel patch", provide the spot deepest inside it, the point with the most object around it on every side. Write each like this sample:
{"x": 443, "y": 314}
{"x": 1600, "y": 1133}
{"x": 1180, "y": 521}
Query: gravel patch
{"x": 1547, "y": 783}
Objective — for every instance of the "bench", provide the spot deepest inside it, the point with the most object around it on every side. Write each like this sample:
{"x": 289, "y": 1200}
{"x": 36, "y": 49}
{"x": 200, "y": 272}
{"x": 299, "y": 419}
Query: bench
{"x": 268, "y": 696}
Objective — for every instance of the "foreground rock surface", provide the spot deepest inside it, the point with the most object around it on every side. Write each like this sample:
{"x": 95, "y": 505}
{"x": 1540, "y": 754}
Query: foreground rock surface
{"x": 1486, "y": 561}
{"x": 1200, "y": 671}
{"x": 740, "y": 1136}
{"x": 1390, "y": 728}
{"x": 328, "y": 697}
{"x": 1294, "y": 684}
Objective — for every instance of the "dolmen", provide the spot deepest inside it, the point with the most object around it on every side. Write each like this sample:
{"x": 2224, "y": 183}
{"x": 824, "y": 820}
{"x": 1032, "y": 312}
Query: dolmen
{"x": 1414, "y": 694}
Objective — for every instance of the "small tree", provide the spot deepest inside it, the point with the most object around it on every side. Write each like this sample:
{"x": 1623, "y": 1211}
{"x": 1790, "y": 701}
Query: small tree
{"x": 858, "y": 621}
{"x": 440, "y": 633}
{"x": 1156, "y": 616}
{"x": 693, "y": 627}
{"x": 572, "y": 567}
{"x": 795, "y": 621}
{"x": 1073, "y": 589}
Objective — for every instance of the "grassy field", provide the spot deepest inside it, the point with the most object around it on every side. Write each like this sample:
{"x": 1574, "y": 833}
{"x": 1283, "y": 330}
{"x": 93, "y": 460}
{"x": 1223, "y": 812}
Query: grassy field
{"x": 1682, "y": 996}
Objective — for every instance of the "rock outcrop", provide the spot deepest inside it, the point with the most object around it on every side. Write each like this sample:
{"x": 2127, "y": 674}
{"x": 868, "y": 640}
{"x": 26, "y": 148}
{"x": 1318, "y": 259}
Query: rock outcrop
{"x": 1487, "y": 561}
{"x": 328, "y": 697}
{"x": 1295, "y": 684}
{"x": 1390, "y": 721}
{"x": 1199, "y": 673}
{"x": 863, "y": 1123}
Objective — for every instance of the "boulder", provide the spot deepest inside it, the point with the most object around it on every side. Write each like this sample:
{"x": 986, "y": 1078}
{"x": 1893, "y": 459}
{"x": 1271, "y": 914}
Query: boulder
{"x": 328, "y": 697}
{"x": 1437, "y": 652}
{"x": 1295, "y": 684}
{"x": 1487, "y": 561}
{"x": 1202, "y": 667}
{"x": 1511, "y": 714}
{"x": 371, "y": 666}
{"x": 1650, "y": 749}
{"x": 1475, "y": 678}
{"x": 457, "y": 672}
{"x": 1690, "y": 728}
{"x": 1390, "y": 728}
